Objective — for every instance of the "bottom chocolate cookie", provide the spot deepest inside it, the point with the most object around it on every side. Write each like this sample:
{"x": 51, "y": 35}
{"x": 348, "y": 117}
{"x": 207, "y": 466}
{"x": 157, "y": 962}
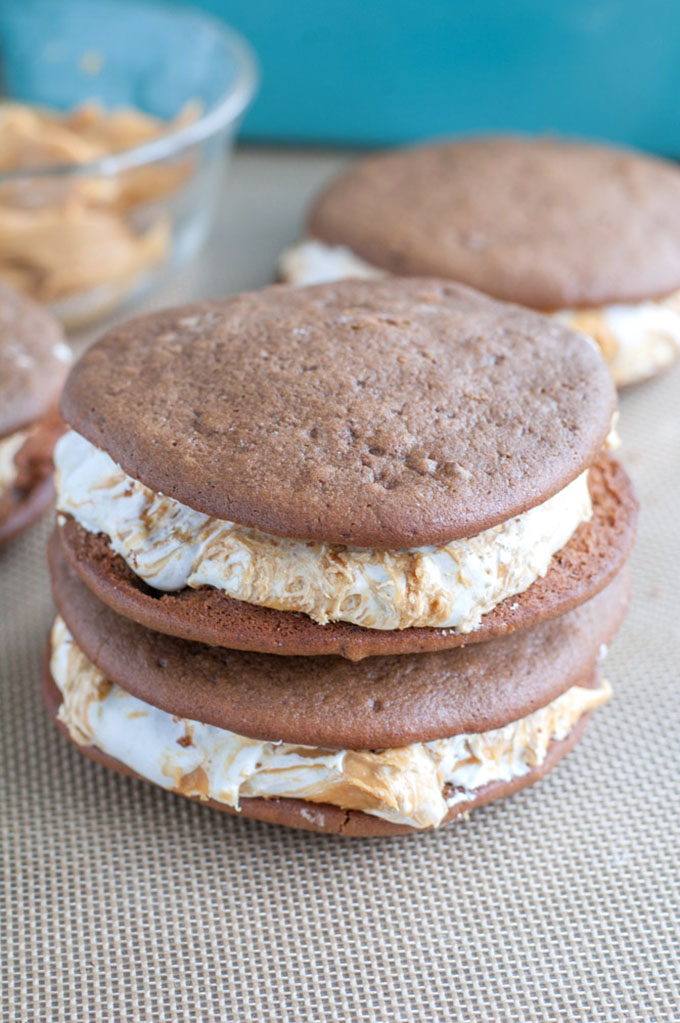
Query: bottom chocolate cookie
{"x": 325, "y": 818}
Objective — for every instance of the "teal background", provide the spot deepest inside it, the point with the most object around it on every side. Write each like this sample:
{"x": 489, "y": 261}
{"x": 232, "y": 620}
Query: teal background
{"x": 380, "y": 71}
{"x": 372, "y": 72}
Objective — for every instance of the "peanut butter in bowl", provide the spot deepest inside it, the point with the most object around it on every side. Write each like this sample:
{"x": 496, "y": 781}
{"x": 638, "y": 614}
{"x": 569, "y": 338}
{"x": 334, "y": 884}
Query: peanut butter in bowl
{"x": 80, "y": 243}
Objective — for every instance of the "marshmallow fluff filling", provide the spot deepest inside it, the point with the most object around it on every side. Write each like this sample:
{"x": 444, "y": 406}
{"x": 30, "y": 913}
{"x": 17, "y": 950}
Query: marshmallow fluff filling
{"x": 9, "y": 449}
{"x": 637, "y": 339}
{"x": 170, "y": 546}
{"x": 415, "y": 785}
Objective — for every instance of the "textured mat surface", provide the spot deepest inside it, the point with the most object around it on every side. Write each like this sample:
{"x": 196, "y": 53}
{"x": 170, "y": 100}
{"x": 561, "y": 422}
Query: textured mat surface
{"x": 122, "y": 902}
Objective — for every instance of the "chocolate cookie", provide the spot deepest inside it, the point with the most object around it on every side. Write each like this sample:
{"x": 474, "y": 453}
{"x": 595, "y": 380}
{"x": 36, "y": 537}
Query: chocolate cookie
{"x": 546, "y": 223}
{"x": 34, "y": 360}
{"x": 380, "y": 703}
{"x": 386, "y": 414}
{"x": 589, "y": 561}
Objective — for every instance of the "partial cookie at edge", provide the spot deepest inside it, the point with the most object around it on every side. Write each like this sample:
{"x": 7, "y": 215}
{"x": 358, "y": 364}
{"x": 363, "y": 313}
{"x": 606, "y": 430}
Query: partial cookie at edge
{"x": 34, "y": 360}
{"x": 31, "y": 493}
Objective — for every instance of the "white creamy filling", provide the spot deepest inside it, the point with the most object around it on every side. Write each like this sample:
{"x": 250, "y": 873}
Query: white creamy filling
{"x": 646, "y": 334}
{"x": 314, "y": 262}
{"x": 405, "y": 786}
{"x": 9, "y": 448}
{"x": 170, "y": 546}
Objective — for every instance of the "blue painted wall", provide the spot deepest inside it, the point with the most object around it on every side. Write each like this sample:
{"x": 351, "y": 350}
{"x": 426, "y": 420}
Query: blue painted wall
{"x": 371, "y": 72}
{"x": 379, "y": 71}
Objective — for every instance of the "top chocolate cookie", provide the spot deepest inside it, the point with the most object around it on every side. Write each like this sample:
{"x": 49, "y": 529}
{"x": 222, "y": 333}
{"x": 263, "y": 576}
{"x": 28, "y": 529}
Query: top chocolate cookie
{"x": 384, "y": 414}
{"x": 549, "y": 224}
{"x": 33, "y": 360}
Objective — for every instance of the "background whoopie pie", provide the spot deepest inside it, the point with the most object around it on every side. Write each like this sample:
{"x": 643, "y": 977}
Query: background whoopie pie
{"x": 34, "y": 361}
{"x": 347, "y": 472}
{"x": 588, "y": 232}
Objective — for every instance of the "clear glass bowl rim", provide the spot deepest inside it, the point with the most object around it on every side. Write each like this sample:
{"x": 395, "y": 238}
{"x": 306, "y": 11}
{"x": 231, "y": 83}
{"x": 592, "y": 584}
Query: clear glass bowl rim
{"x": 228, "y": 108}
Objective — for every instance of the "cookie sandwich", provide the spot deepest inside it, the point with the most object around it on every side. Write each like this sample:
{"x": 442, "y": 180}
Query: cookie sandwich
{"x": 387, "y": 745}
{"x": 359, "y": 468}
{"x": 313, "y": 522}
{"x": 34, "y": 361}
{"x": 589, "y": 233}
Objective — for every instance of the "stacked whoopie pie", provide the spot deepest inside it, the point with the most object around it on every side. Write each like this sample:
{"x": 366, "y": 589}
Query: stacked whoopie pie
{"x": 343, "y": 557}
{"x": 34, "y": 361}
{"x": 589, "y": 233}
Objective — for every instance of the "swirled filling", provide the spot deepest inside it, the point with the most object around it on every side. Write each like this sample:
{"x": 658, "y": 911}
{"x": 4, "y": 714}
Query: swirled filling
{"x": 415, "y": 785}
{"x": 170, "y": 546}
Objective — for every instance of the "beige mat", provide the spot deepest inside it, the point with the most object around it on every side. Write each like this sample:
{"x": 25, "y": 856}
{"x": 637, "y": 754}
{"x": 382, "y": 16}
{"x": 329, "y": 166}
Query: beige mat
{"x": 125, "y": 903}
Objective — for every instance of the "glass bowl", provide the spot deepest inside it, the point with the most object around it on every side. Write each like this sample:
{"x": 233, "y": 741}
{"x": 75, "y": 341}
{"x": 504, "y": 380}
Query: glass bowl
{"x": 83, "y": 237}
